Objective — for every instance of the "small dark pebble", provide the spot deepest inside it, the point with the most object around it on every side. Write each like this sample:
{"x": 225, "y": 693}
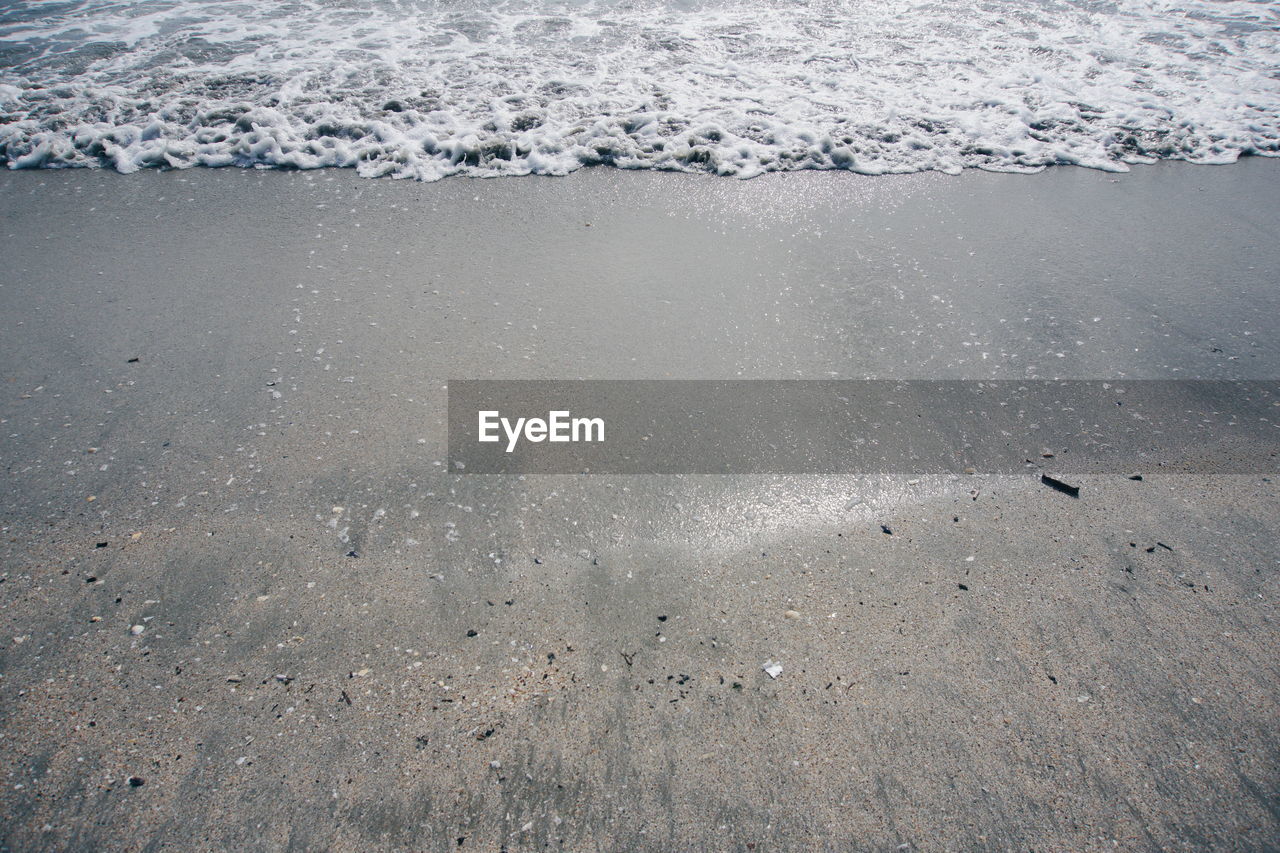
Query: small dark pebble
{"x": 136, "y": 781}
{"x": 102, "y": 544}
{"x": 133, "y": 361}
{"x": 473, "y": 632}
{"x": 537, "y": 561}
{"x": 962, "y": 586}
{"x": 91, "y": 579}
{"x": 352, "y": 554}
{"x": 1137, "y": 477}
{"x": 886, "y": 530}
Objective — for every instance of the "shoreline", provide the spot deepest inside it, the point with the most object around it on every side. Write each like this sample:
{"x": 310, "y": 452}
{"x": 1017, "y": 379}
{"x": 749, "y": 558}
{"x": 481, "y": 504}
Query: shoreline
{"x": 1122, "y": 168}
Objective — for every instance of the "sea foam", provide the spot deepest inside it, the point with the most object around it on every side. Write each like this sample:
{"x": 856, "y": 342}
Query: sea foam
{"x": 430, "y": 89}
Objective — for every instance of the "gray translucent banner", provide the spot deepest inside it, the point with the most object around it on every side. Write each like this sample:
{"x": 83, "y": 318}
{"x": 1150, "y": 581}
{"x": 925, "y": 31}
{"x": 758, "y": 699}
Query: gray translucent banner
{"x": 863, "y": 427}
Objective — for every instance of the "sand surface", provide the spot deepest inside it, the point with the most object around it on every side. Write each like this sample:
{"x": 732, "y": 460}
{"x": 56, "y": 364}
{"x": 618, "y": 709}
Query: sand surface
{"x": 222, "y": 419}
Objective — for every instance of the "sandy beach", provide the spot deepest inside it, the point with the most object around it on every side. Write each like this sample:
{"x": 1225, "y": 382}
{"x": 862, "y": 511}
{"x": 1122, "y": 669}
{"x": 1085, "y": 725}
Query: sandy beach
{"x": 247, "y": 605}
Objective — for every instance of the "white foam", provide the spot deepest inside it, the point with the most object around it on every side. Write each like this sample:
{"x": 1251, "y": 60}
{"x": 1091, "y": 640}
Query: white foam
{"x": 429, "y": 89}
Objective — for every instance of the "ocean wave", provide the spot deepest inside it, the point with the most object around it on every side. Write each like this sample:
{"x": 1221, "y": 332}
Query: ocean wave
{"x": 430, "y": 89}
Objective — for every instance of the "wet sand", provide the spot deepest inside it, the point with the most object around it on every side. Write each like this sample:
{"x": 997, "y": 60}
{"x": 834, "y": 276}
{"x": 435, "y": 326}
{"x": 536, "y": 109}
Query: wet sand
{"x": 222, "y": 419}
